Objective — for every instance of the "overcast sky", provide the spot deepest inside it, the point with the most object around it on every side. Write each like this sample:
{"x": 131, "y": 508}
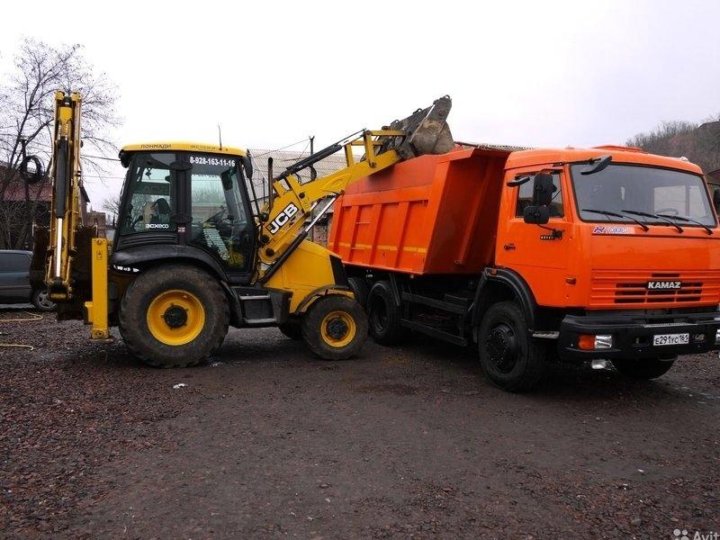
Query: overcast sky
{"x": 545, "y": 73}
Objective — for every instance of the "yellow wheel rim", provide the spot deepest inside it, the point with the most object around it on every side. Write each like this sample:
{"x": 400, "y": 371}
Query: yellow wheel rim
{"x": 338, "y": 329}
{"x": 175, "y": 317}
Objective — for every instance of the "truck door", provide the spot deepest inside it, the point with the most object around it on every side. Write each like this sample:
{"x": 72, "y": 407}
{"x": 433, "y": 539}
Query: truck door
{"x": 539, "y": 253}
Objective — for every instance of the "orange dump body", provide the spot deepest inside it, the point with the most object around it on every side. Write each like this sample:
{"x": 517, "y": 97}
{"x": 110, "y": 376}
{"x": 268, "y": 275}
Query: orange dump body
{"x": 436, "y": 214}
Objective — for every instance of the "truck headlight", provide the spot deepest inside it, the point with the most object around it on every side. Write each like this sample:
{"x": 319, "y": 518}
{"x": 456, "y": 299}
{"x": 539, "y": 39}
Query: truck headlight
{"x": 589, "y": 342}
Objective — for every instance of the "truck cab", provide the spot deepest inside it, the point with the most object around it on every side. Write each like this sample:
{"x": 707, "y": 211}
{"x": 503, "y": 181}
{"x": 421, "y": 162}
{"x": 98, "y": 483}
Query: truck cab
{"x": 626, "y": 259}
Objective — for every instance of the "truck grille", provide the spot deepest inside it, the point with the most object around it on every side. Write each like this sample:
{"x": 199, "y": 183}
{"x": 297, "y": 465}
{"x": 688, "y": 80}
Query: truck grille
{"x": 613, "y": 288}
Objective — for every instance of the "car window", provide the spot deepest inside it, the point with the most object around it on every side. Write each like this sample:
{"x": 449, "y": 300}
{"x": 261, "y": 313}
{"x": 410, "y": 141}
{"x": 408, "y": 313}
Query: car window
{"x": 14, "y": 262}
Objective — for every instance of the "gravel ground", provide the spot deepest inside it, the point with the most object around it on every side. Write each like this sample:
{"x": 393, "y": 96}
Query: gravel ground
{"x": 408, "y": 442}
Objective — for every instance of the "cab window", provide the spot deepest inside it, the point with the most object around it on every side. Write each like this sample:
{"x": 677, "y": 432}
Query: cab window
{"x": 220, "y": 223}
{"x": 151, "y": 195}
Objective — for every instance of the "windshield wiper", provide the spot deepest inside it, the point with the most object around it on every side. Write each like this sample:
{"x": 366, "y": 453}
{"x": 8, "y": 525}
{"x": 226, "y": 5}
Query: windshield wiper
{"x": 616, "y": 214}
{"x": 598, "y": 164}
{"x": 657, "y": 216}
{"x": 688, "y": 220}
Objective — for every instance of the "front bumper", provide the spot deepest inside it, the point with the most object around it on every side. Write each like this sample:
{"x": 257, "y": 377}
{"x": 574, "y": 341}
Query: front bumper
{"x": 632, "y": 334}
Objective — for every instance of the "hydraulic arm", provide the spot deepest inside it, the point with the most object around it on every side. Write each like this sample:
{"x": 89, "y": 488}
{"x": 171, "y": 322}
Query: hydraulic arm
{"x": 292, "y": 201}
{"x": 66, "y": 217}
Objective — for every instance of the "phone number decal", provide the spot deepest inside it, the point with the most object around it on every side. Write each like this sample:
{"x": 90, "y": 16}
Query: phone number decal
{"x": 202, "y": 160}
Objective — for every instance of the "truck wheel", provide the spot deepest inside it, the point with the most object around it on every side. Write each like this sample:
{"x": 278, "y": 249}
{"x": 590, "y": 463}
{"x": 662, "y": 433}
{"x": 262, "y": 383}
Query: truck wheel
{"x": 291, "y": 329}
{"x": 651, "y": 368}
{"x": 335, "y": 327}
{"x": 41, "y": 300}
{"x": 360, "y": 288}
{"x": 384, "y": 315}
{"x": 173, "y": 316}
{"x": 510, "y": 358}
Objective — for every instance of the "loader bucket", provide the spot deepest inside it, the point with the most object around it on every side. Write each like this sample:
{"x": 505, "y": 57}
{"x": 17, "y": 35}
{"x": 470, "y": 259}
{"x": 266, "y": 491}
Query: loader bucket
{"x": 427, "y": 131}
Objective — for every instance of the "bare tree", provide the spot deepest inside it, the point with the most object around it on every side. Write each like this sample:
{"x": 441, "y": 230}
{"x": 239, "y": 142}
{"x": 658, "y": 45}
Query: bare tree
{"x": 26, "y": 116}
{"x": 112, "y": 209}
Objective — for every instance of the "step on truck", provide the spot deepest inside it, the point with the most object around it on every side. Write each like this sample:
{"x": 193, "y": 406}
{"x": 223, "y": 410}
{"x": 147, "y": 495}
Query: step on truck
{"x": 601, "y": 254}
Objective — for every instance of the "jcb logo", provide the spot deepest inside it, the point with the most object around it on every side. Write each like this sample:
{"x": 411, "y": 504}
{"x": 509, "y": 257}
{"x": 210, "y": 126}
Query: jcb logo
{"x": 283, "y": 217}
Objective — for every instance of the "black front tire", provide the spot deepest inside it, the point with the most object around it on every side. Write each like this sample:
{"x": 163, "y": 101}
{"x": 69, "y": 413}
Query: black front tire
{"x": 509, "y": 356}
{"x": 335, "y": 327}
{"x": 174, "y": 316}
{"x": 644, "y": 369}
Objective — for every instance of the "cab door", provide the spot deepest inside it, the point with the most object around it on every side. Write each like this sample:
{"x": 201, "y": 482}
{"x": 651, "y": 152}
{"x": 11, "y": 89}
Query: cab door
{"x": 539, "y": 253}
{"x": 148, "y": 214}
{"x": 221, "y": 220}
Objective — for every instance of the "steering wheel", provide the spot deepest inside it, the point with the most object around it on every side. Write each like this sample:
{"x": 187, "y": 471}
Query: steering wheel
{"x": 671, "y": 211}
{"x": 217, "y": 217}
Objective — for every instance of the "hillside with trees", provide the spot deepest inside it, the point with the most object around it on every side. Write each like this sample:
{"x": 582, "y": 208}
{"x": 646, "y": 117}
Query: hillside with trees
{"x": 700, "y": 143}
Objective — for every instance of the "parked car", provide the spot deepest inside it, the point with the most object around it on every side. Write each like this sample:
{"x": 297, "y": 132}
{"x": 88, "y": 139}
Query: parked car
{"x": 15, "y": 285}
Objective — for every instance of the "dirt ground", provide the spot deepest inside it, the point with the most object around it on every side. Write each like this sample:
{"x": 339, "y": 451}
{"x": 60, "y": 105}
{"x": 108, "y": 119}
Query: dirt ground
{"x": 409, "y": 442}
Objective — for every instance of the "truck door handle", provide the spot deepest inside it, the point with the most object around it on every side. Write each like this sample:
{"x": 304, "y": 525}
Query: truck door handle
{"x": 509, "y": 247}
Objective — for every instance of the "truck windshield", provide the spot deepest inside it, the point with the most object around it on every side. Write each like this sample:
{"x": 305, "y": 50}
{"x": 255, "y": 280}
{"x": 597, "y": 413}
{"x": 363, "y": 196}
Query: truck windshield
{"x": 621, "y": 193}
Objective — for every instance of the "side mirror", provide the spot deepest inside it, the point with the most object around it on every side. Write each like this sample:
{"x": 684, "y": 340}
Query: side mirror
{"x": 538, "y": 215}
{"x": 716, "y": 199}
{"x": 543, "y": 189}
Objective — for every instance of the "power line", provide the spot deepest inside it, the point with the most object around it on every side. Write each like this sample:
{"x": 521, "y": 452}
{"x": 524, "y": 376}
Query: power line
{"x": 278, "y": 149}
{"x": 100, "y": 157}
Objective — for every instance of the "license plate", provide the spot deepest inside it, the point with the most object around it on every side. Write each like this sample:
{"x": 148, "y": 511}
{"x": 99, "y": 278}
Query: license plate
{"x": 660, "y": 340}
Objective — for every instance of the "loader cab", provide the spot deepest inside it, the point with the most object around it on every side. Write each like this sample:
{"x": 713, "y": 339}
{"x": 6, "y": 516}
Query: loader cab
{"x": 186, "y": 201}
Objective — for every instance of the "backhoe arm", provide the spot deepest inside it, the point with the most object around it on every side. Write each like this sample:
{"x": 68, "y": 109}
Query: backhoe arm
{"x": 424, "y": 132}
{"x": 65, "y": 207}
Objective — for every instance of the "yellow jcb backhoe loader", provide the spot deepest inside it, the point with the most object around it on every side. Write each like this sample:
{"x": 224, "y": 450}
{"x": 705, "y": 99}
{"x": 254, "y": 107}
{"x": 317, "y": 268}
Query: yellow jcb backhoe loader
{"x": 196, "y": 251}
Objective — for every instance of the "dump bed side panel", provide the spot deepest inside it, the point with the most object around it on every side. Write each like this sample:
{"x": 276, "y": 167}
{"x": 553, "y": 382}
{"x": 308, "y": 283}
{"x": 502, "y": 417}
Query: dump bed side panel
{"x": 429, "y": 215}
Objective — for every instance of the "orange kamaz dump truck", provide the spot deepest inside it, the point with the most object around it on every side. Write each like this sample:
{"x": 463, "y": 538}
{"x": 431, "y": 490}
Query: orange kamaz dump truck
{"x": 606, "y": 254}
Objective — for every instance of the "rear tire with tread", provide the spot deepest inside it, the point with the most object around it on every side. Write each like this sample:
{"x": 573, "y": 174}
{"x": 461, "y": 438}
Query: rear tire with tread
{"x": 360, "y": 288}
{"x": 384, "y": 315}
{"x": 206, "y": 315}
